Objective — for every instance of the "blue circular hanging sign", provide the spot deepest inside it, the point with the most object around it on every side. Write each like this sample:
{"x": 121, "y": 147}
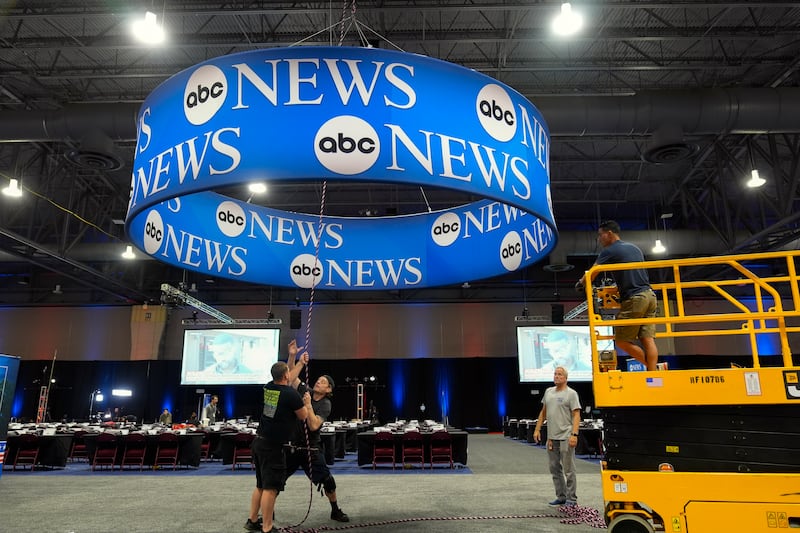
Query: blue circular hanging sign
{"x": 340, "y": 114}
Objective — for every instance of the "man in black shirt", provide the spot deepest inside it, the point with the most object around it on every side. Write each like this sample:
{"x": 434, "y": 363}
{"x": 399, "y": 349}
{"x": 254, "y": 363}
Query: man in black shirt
{"x": 283, "y": 407}
{"x": 321, "y": 406}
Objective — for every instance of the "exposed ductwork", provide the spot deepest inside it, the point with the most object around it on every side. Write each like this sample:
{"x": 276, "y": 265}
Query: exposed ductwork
{"x": 71, "y": 123}
{"x": 700, "y": 112}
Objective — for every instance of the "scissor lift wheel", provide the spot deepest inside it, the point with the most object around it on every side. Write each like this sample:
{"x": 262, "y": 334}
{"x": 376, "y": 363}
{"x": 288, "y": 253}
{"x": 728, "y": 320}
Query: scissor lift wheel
{"x": 630, "y": 523}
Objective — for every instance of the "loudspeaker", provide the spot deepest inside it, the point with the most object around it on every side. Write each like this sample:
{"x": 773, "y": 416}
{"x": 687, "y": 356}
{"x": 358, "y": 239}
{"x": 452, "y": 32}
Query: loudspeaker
{"x": 294, "y": 319}
{"x": 557, "y": 313}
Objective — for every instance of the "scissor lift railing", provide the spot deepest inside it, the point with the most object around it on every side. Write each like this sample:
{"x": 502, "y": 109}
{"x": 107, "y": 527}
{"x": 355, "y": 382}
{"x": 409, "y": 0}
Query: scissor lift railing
{"x": 775, "y": 302}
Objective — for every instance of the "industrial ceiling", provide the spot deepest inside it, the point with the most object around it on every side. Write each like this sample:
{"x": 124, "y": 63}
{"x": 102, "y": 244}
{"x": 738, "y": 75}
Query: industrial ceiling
{"x": 658, "y": 113}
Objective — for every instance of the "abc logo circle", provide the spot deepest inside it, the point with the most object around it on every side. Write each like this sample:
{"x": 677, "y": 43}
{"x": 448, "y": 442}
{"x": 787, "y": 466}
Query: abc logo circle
{"x": 496, "y": 112}
{"x": 153, "y": 232}
{"x": 230, "y": 218}
{"x": 511, "y": 251}
{"x": 347, "y": 145}
{"x": 446, "y": 229}
{"x": 204, "y": 94}
{"x": 305, "y": 271}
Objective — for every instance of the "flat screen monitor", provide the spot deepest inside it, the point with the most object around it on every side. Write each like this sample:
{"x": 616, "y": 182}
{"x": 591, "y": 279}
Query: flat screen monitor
{"x": 228, "y": 356}
{"x": 540, "y": 349}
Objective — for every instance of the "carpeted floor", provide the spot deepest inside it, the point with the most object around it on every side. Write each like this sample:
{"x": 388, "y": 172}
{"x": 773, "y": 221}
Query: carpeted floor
{"x": 506, "y": 488}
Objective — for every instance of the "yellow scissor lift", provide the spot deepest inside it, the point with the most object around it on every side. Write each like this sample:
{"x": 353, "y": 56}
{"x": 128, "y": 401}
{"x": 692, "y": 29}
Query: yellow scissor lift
{"x": 704, "y": 450}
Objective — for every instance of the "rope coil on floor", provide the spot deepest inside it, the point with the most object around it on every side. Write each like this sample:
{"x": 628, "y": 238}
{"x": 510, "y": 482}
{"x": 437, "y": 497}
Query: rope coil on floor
{"x": 576, "y": 514}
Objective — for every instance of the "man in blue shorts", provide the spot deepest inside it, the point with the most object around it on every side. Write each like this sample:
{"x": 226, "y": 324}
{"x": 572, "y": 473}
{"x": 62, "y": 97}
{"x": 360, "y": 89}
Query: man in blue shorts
{"x": 637, "y": 299}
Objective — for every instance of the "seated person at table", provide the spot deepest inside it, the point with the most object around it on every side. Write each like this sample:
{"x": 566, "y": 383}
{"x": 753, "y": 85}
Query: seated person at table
{"x": 165, "y": 418}
{"x": 193, "y": 421}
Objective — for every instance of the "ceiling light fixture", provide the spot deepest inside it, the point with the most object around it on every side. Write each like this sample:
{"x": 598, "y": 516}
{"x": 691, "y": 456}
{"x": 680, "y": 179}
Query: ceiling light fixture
{"x": 755, "y": 180}
{"x": 128, "y": 253}
{"x": 567, "y": 22}
{"x": 148, "y": 30}
{"x": 257, "y": 187}
{"x": 13, "y": 189}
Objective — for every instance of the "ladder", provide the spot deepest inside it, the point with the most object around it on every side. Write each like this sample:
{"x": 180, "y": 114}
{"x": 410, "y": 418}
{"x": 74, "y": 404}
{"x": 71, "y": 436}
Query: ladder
{"x": 42, "y": 410}
{"x": 360, "y": 401}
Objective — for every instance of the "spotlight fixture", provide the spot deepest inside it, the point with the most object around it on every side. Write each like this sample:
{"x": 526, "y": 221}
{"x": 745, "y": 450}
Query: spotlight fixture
{"x": 13, "y": 190}
{"x": 659, "y": 247}
{"x": 148, "y": 30}
{"x": 755, "y": 180}
{"x": 567, "y": 22}
{"x": 257, "y": 187}
{"x": 128, "y": 253}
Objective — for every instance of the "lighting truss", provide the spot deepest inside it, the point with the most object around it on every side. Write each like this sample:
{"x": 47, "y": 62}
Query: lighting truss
{"x": 575, "y": 312}
{"x": 178, "y": 297}
{"x": 531, "y": 318}
{"x": 236, "y": 322}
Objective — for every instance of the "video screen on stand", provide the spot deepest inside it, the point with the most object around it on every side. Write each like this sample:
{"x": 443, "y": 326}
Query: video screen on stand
{"x": 228, "y": 356}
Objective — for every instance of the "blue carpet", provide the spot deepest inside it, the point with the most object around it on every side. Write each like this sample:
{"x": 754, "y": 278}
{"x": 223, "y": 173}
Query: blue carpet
{"x": 346, "y": 466}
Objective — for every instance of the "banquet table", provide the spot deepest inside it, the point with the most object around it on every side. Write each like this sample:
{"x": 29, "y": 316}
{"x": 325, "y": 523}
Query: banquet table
{"x": 188, "y": 447}
{"x": 366, "y": 444}
{"x": 53, "y": 450}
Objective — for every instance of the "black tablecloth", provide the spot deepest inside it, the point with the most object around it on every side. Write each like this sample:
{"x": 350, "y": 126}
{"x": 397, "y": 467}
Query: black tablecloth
{"x": 53, "y": 450}
{"x": 366, "y": 444}
{"x": 188, "y": 448}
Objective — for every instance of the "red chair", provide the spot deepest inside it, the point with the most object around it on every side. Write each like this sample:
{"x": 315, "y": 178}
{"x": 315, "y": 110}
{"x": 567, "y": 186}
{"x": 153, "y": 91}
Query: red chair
{"x": 167, "y": 451}
{"x": 135, "y": 448}
{"x": 105, "y": 453}
{"x": 27, "y": 451}
{"x": 242, "y": 454}
{"x": 413, "y": 449}
{"x": 441, "y": 448}
{"x": 205, "y": 452}
{"x": 78, "y": 449}
{"x": 383, "y": 449}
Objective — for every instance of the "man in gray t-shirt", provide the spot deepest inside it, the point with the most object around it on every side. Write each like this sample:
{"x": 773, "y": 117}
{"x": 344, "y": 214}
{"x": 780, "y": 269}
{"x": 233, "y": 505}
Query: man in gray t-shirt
{"x": 562, "y": 410}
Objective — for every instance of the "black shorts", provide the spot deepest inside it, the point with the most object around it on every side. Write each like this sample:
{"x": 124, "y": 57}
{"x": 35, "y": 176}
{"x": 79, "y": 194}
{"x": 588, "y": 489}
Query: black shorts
{"x": 318, "y": 472}
{"x": 270, "y": 464}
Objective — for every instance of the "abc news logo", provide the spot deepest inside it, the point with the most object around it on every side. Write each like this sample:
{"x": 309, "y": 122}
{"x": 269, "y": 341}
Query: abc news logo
{"x": 511, "y": 251}
{"x": 347, "y": 145}
{"x": 496, "y": 112}
{"x": 230, "y": 218}
{"x": 305, "y": 271}
{"x": 446, "y": 229}
{"x": 153, "y": 232}
{"x": 204, "y": 94}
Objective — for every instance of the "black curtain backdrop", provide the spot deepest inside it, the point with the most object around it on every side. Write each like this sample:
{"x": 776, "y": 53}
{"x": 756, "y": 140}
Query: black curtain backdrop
{"x": 476, "y": 392}
{"x": 470, "y": 392}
